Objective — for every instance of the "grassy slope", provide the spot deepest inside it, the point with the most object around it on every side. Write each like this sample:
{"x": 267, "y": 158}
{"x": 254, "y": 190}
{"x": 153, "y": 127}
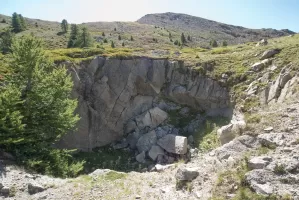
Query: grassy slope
{"x": 200, "y": 30}
{"x": 233, "y": 60}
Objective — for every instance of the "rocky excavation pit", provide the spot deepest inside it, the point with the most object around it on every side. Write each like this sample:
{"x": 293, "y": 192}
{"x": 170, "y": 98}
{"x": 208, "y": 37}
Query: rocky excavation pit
{"x": 135, "y": 103}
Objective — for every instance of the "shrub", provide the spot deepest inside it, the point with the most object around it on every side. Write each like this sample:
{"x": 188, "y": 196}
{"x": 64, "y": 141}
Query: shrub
{"x": 213, "y": 43}
{"x": 279, "y": 169}
{"x": 224, "y": 43}
{"x": 105, "y": 40}
{"x": 112, "y": 44}
{"x": 183, "y": 39}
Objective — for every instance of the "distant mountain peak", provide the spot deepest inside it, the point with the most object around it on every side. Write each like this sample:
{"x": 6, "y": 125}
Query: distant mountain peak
{"x": 209, "y": 29}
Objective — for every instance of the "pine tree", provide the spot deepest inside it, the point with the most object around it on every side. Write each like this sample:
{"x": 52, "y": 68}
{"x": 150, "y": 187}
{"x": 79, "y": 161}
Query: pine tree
{"x": 224, "y": 43}
{"x": 183, "y": 39}
{"x": 74, "y": 35}
{"x": 213, "y": 43}
{"x": 6, "y": 40}
{"x": 16, "y": 23}
{"x": 105, "y": 40}
{"x": 36, "y": 110}
{"x": 119, "y": 37}
{"x": 36, "y": 104}
{"x": 103, "y": 34}
{"x": 170, "y": 36}
{"x": 176, "y": 42}
{"x": 123, "y": 44}
{"x": 85, "y": 38}
{"x": 189, "y": 38}
{"x": 22, "y": 22}
{"x": 131, "y": 38}
{"x": 112, "y": 44}
{"x": 64, "y": 26}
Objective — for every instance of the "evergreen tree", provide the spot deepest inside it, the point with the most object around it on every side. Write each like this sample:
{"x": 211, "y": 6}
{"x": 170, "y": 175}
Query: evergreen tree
{"x": 176, "y": 42}
{"x": 123, "y": 44}
{"x": 170, "y": 36}
{"x": 213, "y": 43}
{"x": 36, "y": 110}
{"x": 183, "y": 39}
{"x": 189, "y": 38}
{"x": 114, "y": 29}
{"x": 224, "y": 43}
{"x": 112, "y": 44}
{"x": 103, "y": 34}
{"x": 119, "y": 37}
{"x": 131, "y": 38}
{"x": 74, "y": 35}
{"x": 22, "y": 22}
{"x": 64, "y": 26}
{"x": 36, "y": 104}
{"x": 105, "y": 40}
{"x": 85, "y": 38}
{"x": 16, "y": 23}
{"x": 6, "y": 40}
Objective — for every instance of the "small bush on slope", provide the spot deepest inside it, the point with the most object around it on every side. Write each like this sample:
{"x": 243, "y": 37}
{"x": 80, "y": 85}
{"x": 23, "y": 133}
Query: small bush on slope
{"x": 36, "y": 110}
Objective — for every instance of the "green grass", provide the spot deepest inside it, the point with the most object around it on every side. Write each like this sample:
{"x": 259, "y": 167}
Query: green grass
{"x": 206, "y": 137}
{"x": 253, "y": 118}
{"x": 180, "y": 121}
{"x": 108, "y": 158}
{"x": 113, "y": 175}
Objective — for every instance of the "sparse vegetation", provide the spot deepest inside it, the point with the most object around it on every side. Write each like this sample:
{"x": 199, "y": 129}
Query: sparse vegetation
{"x": 206, "y": 137}
{"x": 279, "y": 169}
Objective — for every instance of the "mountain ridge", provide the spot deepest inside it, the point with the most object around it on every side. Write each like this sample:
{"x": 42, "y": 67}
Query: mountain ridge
{"x": 153, "y": 31}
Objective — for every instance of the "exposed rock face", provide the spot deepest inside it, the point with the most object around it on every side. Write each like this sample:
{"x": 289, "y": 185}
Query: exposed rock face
{"x": 228, "y": 132}
{"x": 174, "y": 144}
{"x": 155, "y": 152}
{"x": 146, "y": 141}
{"x": 260, "y": 65}
{"x": 259, "y": 162}
{"x": 112, "y": 92}
{"x": 186, "y": 174}
{"x": 35, "y": 188}
{"x": 269, "y": 53}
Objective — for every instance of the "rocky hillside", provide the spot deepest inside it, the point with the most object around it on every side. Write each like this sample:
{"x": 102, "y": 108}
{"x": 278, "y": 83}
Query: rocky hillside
{"x": 165, "y": 122}
{"x": 151, "y": 32}
{"x": 203, "y": 30}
